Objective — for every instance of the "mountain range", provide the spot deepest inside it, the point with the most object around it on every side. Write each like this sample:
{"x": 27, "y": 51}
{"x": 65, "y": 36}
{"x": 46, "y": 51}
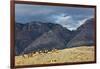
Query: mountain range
{"x": 37, "y": 36}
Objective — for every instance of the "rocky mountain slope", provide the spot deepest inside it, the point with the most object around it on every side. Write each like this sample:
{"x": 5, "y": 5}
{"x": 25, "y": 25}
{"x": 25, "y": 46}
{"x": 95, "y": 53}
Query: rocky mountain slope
{"x": 36, "y": 36}
{"x": 85, "y": 35}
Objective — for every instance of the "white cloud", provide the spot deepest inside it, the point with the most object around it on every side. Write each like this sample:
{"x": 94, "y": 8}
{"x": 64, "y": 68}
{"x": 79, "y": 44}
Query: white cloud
{"x": 84, "y": 20}
{"x": 69, "y": 21}
{"x": 66, "y": 21}
{"x": 63, "y": 19}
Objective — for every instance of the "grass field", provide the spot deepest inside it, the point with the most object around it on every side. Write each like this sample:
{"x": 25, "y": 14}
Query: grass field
{"x": 77, "y": 54}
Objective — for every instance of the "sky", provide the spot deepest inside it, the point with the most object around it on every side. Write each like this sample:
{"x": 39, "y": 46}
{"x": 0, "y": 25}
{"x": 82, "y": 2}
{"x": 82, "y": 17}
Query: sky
{"x": 69, "y": 17}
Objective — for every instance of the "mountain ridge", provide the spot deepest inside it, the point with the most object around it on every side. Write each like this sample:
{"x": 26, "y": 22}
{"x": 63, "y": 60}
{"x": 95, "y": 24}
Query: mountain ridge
{"x": 37, "y": 36}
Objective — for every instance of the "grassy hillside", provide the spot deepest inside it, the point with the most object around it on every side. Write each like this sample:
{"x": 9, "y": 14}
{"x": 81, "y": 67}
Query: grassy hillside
{"x": 77, "y": 54}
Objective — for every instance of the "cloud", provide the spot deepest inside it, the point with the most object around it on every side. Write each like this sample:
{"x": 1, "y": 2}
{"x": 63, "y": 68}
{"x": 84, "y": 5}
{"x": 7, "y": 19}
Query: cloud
{"x": 69, "y": 21}
{"x": 69, "y": 17}
{"x": 31, "y": 10}
{"x": 84, "y": 20}
{"x": 66, "y": 21}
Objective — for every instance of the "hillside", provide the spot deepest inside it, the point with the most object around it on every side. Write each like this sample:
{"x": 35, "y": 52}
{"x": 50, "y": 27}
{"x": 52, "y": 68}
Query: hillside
{"x": 39, "y": 36}
{"x": 36, "y": 35}
{"x": 85, "y": 35}
{"x": 77, "y": 54}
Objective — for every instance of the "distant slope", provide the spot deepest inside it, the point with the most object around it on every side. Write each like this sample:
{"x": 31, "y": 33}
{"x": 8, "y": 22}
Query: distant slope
{"x": 85, "y": 35}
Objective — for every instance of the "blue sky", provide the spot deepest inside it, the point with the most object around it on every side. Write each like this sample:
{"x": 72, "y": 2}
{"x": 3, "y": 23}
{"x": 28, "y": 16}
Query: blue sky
{"x": 69, "y": 17}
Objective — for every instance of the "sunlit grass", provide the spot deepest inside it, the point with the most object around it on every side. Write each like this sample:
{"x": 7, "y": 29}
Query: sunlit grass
{"x": 77, "y": 54}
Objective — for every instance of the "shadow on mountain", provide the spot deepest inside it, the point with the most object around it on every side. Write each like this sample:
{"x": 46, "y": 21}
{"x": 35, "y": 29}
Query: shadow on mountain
{"x": 37, "y": 36}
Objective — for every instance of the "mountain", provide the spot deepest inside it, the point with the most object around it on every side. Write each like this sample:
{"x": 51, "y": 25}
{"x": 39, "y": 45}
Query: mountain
{"x": 57, "y": 38}
{"x": 36, "y": 36}
{"x": 27, "y": 33}
{"x": 85, "y": 35}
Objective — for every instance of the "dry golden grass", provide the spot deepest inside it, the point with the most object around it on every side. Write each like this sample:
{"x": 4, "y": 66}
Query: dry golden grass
{"x": 77, "y": 54}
